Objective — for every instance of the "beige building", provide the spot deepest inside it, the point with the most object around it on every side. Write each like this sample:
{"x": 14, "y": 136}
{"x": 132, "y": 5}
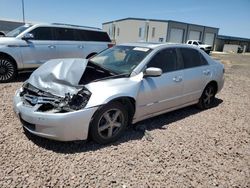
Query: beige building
{"x": 151, "y": 30}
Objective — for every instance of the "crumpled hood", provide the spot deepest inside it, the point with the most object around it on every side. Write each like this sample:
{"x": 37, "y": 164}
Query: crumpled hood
{"x": 59, "y": 76}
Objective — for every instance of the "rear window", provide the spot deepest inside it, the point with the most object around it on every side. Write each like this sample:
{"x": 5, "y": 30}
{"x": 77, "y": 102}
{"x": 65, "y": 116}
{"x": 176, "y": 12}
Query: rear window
{"x": 192, "y": 58}
{"x": 65, "y": 34}
{"x": 96, "y": 36}
{"x": 166, "y": 60}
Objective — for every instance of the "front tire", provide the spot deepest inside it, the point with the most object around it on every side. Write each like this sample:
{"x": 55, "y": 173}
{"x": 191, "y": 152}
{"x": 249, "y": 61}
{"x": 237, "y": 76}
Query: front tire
{"x": 109, "y": 123}
{"x": 8, "y": 70}
{"x": 207, "y": 98}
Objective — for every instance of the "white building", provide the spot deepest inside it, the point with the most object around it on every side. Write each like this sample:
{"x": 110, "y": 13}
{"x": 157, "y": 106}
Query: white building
{"x": 151, "y": 30}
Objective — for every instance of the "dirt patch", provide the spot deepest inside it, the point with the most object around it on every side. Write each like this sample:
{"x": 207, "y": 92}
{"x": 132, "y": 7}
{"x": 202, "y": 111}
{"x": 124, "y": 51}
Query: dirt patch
{"x": 184, "y": 148}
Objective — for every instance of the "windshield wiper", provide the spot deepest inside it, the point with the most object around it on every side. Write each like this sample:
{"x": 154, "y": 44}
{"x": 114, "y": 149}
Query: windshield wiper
{"x": 113, "y": 76}
{"x": 103, "y": 68}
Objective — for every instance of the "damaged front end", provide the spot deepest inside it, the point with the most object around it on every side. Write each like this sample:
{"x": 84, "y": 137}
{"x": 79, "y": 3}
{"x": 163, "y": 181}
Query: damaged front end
{"x": 48, "y": 102}
{"x": 54, "y": 87}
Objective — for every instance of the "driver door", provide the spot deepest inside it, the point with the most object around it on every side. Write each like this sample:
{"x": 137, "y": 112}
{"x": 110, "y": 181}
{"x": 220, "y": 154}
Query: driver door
{"x": 39, "y": 49}
{"x": 157, "y": 94}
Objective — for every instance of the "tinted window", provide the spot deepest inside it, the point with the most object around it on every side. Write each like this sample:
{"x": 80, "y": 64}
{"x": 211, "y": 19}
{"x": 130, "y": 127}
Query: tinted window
{"x": 191, "y": 58}
{"x": 165, "y": 60}
{"x": 65, "y": 34}
{"x": 81, "y": 35}
{"x": 96, "y": 36}
{"x": 86, "y": 35}
{"x": 203, "y": 60}
{"x": 195, "y": 43}
{"x": 42, "y": 33}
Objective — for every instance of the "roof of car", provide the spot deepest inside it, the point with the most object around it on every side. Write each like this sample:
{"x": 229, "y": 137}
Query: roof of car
{"x": 68, "y": 26}
{"x": 153, "y": 45}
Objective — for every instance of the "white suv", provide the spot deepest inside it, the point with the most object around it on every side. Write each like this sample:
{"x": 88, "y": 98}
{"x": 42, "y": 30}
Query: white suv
{"x": 205, "y": 47}
{"x": 29, "y": 46}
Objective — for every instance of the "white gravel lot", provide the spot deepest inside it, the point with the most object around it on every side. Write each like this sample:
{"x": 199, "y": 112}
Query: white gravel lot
{"x": 184, "y": 148}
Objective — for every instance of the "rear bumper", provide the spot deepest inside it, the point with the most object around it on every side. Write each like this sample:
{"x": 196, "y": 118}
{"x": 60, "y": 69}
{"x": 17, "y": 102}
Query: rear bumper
{"x": 57, "y": 126}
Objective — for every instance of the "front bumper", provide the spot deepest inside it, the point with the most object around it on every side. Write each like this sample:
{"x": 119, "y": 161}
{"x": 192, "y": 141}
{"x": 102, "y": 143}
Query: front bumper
{"x": 57, "y": 126}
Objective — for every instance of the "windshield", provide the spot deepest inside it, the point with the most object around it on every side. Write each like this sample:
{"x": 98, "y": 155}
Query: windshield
{"x": 121, "y": 59}
{"x": 199, "y": 42}
{"x": 17, "y": 31}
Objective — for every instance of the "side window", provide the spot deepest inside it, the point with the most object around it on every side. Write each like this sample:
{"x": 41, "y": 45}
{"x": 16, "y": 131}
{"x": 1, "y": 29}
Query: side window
{"x": 42, "y": 33}
{"x": 81, "y": 35}
{"x": 189, "y": 42}
{"x": 98, "y": 36}
{"x": 191, "y": 57}
{"x": 140, "y": 31}
{"x": 195, "y": 43}
{"x": 65, "y": 34}
{"x": 203, "y": 60}
{"x": 165, "y": 60}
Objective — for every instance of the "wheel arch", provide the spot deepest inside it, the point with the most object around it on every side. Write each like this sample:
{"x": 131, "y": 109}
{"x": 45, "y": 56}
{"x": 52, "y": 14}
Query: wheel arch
{"x": 127, "y": 101}
{"x": 90, "y": 55}
{"x": 214, "y": 83}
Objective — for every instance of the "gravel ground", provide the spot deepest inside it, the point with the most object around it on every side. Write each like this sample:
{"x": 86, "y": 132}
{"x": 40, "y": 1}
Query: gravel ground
{"x": 184, "y": 148}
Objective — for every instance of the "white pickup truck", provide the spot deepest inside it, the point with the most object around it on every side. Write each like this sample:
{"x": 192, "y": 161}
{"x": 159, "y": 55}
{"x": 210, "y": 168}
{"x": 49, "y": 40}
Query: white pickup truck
{"x": 199, "y": 44}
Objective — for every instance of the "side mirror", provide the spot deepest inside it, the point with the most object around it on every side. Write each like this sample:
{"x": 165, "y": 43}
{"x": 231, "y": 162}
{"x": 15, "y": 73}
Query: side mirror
{"x": 28, "y": 36}
{"x": 152, "y": 72}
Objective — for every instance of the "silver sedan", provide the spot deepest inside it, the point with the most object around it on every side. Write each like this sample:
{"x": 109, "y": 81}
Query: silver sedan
{"x": 71, "y": 99}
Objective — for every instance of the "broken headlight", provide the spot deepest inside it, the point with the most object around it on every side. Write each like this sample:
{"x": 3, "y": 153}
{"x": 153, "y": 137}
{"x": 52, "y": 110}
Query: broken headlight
{"x": 76, "y": 101}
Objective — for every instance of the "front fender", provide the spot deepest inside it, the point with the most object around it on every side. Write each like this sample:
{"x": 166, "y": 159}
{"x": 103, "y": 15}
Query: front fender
{"x": 106, "y": 91}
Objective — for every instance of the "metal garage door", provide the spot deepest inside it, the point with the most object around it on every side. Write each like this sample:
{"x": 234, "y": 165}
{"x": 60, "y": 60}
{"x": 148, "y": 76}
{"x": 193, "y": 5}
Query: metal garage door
{"x": 194, "y": 35}
{"x": 209, "y": 38}
{"x": 176, "y": 35}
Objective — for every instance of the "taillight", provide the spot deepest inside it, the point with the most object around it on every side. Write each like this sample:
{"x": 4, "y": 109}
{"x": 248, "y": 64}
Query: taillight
{"x": 110, "y": 45}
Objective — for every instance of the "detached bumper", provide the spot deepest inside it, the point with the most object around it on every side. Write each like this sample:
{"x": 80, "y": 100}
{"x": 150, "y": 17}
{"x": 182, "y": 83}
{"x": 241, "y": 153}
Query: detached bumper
{"x": 57, "y": 126}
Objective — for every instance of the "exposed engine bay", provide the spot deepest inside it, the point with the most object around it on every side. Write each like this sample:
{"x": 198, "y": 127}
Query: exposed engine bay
{"x": 51, "y": 103}
{"x": 56, "y": 89}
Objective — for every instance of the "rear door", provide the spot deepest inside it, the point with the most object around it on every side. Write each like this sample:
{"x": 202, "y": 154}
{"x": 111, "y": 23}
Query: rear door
{"x": 196, "y": 74}
{"x": 67, "y": 43}
{"x": 94, "y": 41}
{"x": 39, "y": 49}
{"x": 163, "y": 92}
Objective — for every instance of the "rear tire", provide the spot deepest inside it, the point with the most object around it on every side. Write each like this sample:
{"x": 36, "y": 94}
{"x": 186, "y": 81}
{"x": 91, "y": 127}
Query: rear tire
{"x": 109, "y": 123}
{"x": 207, "y": 98}
{"x": 8, "y": 70}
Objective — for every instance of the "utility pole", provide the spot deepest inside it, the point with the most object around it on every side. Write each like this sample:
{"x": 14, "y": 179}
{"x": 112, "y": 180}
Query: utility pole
{"x": 23, "y": 11}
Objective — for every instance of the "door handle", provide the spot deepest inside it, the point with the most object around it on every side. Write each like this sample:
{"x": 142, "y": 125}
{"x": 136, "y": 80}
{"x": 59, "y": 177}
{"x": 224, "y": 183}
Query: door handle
{"x": 177, "y": 79}
{"x": 206, "y": 72}
{"x": 51, "y": 46}
{"x": 81, "y": 46}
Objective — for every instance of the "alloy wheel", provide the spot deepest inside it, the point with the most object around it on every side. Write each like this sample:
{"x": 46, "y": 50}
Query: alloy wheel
{"x": 208, "y": 97}
{"x": 7, "y": 70}
{"x": 110, "y": 123}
